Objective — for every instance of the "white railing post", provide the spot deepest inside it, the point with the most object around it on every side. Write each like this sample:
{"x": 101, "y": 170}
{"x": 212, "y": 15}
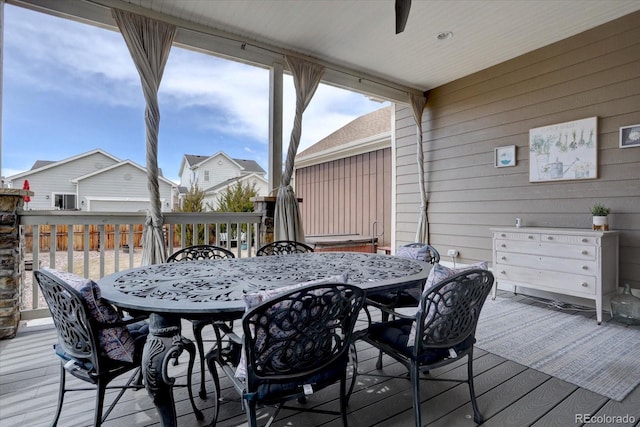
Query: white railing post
{"x": 95, "y": 267}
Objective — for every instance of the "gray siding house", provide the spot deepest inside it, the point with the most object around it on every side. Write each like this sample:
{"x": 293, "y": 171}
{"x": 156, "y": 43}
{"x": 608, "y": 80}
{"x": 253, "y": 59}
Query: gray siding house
{"x": 214, "y": 174}
{"x": 92, "y": 181}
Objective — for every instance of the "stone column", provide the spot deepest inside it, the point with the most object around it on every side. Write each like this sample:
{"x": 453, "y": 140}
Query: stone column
{"x": 11, "y": 200}
{"x": 266, "y": 205}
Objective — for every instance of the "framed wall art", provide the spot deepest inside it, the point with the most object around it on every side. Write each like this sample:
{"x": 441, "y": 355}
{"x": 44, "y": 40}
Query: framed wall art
{"x": 564, "y": 151}
{"x": 630, "y": 136}
{"x": 504, "y": 156}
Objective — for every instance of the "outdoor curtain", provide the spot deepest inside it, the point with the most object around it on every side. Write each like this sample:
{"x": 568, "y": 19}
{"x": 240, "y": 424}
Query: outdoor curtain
{"x": 149, "y": 42}
{"x": 287, "y": 222}
{"x": 417, "y": 104}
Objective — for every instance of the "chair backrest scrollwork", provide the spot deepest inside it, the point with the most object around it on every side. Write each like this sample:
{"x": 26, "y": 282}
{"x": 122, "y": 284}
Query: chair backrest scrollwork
{"x": 76, "y": 334}
{"x": 448, "y": 314}
{"x": 200, "y": 252}
{"x": 301, "y": 333}
{"x": 284, "y": 247}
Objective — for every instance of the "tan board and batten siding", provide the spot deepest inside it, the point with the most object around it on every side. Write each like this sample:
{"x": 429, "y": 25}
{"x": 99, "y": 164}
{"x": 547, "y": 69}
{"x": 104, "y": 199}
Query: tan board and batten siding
{"x": 596, "y": 73}
{"x": 345, "y": 180}
{"x": 346, "y": 196}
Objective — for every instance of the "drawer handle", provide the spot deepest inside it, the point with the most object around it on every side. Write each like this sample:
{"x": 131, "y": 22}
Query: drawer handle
{"x": 585, "y": 252}
{"x": 549, "y": 237}
{"x": 503, "y": 235}
{"x": 504, "y": 258}
{"x": 584, "y": 267}
{"x": 584, "y": 284}
{"x": 585, "y": 240}
{"x": 531, "y": 237}
{"x": 503, "y": 272}
{"x": 503, "y": 245}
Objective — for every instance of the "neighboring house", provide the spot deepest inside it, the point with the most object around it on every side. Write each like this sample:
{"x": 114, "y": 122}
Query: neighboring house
{"x": 344, "y": 180}
{"x": 213, "y": 174}
{"x": 92, "y": 181}
{"x": 212, "y": 194}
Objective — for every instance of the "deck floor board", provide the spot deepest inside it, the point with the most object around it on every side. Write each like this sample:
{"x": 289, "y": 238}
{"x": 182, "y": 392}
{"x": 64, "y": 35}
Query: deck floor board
{"x": 509, "y": 394}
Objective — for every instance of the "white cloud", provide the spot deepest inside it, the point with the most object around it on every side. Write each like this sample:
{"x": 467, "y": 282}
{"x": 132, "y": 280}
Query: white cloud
{"x": 85, "y": 62}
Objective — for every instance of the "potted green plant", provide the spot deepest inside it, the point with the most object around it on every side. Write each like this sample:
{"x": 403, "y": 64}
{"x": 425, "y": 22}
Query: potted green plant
{"x": 600, "y": 216}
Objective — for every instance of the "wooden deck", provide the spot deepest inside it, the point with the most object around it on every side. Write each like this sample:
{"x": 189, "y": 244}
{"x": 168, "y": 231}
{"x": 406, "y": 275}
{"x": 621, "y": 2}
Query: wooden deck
{"x": 509, "y": 394}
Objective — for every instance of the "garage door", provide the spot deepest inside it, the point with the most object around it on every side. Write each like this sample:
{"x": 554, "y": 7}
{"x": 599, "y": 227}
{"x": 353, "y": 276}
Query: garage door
{"x": 118, "y": 206}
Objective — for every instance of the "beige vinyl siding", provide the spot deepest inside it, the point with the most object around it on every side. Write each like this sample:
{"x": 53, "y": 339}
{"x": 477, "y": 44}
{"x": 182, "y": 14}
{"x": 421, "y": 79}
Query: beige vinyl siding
{"x": 125, "y": 183}
{"x": 217, "y": 172}
{"x": 346, "y": 196}
{"x": 57, "y": 179}
{"x": 596, "y": 73}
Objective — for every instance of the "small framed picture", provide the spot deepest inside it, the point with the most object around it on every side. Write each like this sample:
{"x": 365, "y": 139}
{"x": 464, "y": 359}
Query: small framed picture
{"x": 630, "y": 136}
{"x": 505, "y": 156}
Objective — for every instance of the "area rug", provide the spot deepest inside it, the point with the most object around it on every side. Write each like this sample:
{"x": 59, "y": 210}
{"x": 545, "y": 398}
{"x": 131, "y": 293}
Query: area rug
{"x": 601, "y": 358}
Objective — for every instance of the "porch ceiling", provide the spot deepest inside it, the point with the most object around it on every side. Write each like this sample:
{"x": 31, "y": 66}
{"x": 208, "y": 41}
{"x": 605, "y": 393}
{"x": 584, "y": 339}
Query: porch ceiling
{"x": 359, "y": 36}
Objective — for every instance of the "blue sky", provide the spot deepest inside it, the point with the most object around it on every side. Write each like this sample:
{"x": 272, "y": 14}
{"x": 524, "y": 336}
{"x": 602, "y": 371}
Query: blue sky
{"x": 70, "y": 88}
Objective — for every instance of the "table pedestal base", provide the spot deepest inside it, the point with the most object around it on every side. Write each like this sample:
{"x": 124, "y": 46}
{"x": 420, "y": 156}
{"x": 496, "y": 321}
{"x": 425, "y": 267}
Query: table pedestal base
{"x": 165, "y": 343}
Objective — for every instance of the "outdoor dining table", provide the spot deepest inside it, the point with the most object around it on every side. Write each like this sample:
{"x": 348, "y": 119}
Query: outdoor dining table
{"x": 170, "y": 292}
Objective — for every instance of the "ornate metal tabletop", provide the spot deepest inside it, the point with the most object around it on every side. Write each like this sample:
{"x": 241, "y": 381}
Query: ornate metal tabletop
{"x": 202, "y": 287}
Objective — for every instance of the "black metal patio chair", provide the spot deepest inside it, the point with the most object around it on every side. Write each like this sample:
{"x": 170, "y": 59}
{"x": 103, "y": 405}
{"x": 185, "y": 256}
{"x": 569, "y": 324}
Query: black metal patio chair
{"x": 199, "y": 253}
{"x": 402, "y": 298}
{"x": 94, "y": 344}
{"x": 294, "y": 345}
{"x": 283, "y": 247}
{"x": 441, "y": 332}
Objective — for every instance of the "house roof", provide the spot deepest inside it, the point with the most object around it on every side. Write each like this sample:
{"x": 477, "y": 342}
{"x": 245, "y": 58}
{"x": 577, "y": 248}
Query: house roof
{"x": 365, "y": 134}
{"x": 250, "y": 165}
{"x": 375, "y": 123}
{"x": 247, "y": 165}
{"x": 41, "y": 165}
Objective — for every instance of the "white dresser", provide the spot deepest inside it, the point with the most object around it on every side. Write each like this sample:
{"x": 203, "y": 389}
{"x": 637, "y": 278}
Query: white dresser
{"x": 576, "y": 262}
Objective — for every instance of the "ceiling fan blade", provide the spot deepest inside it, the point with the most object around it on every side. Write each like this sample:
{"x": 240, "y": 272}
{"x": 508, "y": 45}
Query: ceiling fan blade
{"x": 402, "y": 14}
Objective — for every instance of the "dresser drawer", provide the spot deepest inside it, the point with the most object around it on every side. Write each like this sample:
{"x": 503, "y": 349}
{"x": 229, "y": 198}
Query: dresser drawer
{"x": 561, "y": 250}
{"x": 527, "y": 237}
{"x": 518, "y": 246}
{"x": 565, "y": 283}
{"x": 581, "y": 252}
{"x": 587, "y": 267}
{"x": 569, "y": 239}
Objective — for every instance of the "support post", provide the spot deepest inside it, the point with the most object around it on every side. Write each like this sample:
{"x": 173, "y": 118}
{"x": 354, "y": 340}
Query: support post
{"x": 11, "y": 244}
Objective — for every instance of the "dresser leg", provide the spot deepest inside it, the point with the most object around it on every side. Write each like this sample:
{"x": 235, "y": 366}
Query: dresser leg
{"x": 599, "y": 311}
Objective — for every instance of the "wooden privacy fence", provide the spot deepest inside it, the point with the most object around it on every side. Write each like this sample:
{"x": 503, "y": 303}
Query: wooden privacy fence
{"x": 62, "y": 236}
{"x": 88, "y": 231}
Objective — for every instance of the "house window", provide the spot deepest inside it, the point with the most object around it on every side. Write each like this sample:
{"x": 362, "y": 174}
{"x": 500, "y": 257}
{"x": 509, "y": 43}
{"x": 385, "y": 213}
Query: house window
{"x": 64, "y": 201}
{"x": 206, "y": 176}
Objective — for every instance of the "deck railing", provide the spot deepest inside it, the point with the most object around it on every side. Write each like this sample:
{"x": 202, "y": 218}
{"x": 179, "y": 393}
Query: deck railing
{"x": 95, "y": 244}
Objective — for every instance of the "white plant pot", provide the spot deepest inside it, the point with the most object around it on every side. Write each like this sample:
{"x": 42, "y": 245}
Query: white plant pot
{"x": 600, "y": 220}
